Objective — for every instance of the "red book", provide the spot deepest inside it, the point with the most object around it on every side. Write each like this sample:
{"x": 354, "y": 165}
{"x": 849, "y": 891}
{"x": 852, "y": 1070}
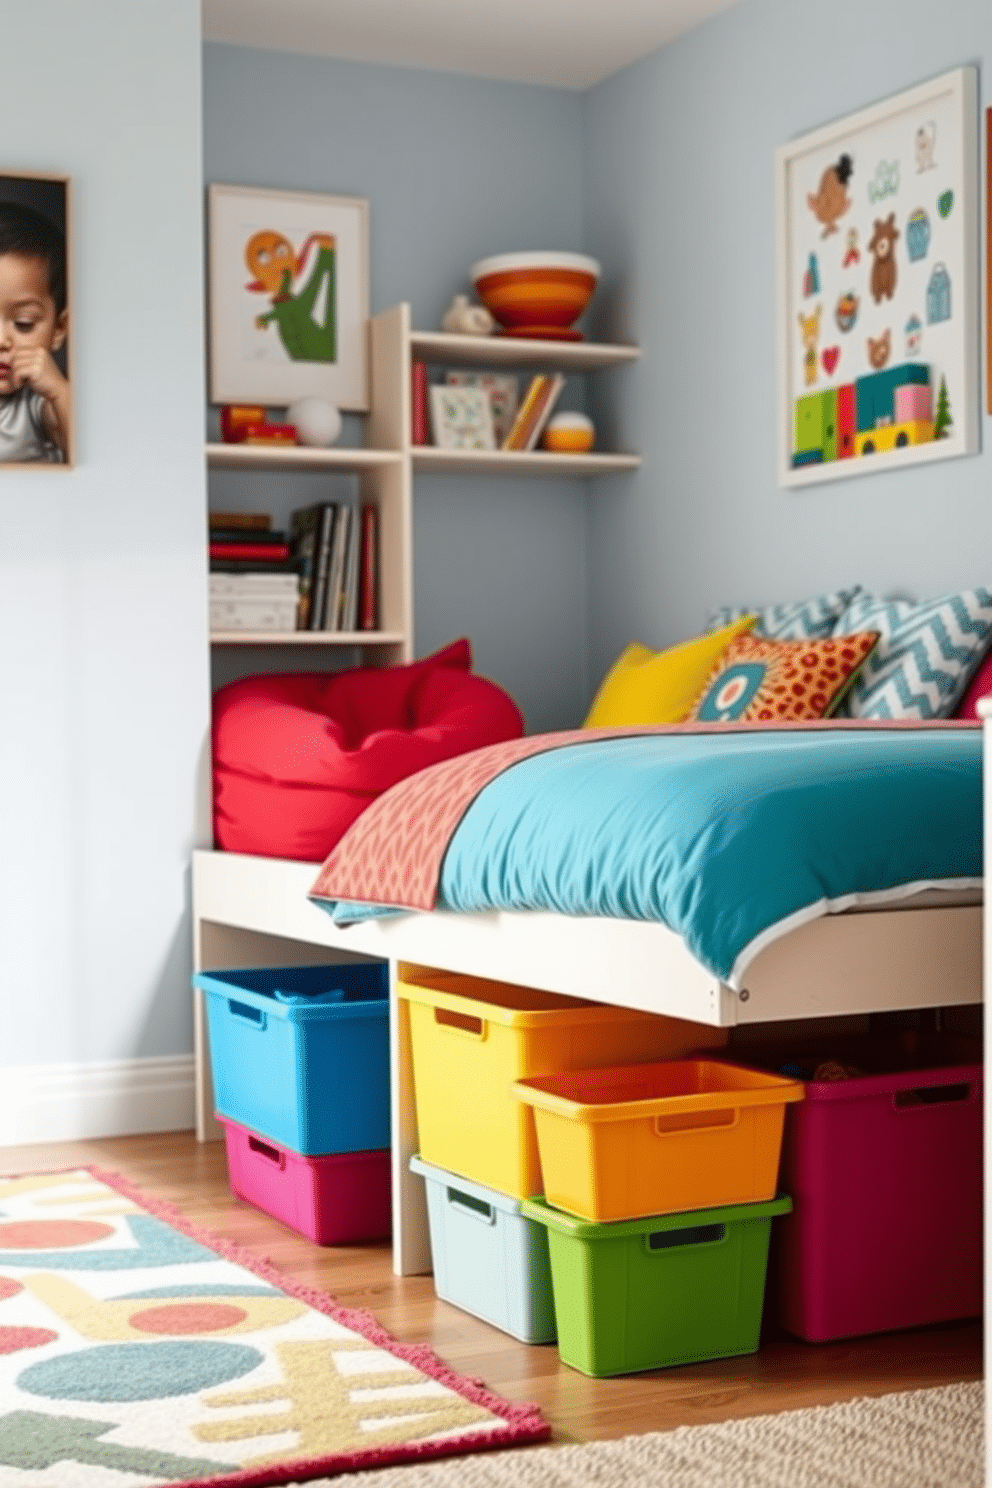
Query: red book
{"x": 419, "y": 426}
{"x": 270, "y": 434}
{"x": 368, "y": 569}
{"x": 272, "y": 552}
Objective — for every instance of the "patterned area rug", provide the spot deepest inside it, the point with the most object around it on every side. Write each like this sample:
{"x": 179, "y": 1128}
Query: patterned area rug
{"x": 137, "y": 1350}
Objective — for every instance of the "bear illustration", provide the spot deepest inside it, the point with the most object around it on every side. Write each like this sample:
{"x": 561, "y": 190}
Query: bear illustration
{"x": 879, "y": 349}
{"x": 883, "y": 251}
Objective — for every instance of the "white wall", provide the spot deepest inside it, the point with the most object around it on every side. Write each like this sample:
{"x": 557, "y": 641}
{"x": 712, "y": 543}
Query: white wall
{"x": 103, "y": 625}
{"x": 679, "y": 195}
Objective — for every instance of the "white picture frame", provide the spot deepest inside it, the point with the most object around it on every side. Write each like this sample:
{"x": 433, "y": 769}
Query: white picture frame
{"x": 855, "y": 298}
{"x": 462, "y": 417}
{"x": 288, "y": 297}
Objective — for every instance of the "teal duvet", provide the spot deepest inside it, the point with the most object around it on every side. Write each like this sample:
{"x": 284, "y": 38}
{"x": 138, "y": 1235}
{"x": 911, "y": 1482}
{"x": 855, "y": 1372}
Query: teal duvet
{"x": 730, "y": 839}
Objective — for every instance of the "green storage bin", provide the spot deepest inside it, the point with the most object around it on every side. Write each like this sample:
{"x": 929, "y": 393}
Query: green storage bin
{"x": 650, "y": 1293}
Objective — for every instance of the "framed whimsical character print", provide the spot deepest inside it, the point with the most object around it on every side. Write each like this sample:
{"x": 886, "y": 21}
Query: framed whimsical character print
{"x": 289, "y": 297}
{"x": 877, "y": 286}
{"x": 35, "y": 382}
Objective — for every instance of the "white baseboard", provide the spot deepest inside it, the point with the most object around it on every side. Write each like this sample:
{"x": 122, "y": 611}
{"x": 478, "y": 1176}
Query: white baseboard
{"x": 117, "y": 1098}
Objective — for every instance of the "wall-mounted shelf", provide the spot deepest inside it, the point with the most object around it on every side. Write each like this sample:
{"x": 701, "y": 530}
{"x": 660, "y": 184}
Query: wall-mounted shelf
{"x": 385, "y": 469}
{"x": 296, "y": 457}
{"x": 363, "y": 638}
{"x": 427, "y": 457}
{"x": 441, "y": 347}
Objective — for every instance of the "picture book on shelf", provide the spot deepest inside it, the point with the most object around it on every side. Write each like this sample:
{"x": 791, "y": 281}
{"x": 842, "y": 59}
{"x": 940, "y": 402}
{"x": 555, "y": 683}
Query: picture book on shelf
{"x": 349, "y": 619}
{"x": 535, "y": 410}
{"x": 503, "y": 390}
{"x": 321, "y": 584}
{"x": 333, "y": 608}
{"x": 368, "y": 569}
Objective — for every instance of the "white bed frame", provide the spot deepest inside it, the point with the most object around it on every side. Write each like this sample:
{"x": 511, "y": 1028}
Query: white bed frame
{"x": 250, "y": 911}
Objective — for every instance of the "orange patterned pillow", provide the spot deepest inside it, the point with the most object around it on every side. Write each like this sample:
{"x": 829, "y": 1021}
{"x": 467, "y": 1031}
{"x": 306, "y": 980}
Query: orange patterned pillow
{"x": 760, "y": 679}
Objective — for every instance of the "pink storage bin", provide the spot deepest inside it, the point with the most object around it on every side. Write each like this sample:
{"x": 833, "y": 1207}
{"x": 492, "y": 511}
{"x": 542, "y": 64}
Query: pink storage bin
{"x": 334, "y": 1199}
{"x": 914, "y": 401}
{"x": 885, "y": 1174}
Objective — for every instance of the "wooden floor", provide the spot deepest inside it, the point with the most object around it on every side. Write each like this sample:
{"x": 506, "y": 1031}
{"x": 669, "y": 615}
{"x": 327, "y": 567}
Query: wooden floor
{"x": 783, "y": 1375}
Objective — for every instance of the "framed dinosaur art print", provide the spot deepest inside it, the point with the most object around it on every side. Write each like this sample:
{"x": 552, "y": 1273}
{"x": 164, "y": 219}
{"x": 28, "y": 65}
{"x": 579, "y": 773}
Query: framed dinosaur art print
{"x": 288, "y": 297}
{"x": 877, "y": 286}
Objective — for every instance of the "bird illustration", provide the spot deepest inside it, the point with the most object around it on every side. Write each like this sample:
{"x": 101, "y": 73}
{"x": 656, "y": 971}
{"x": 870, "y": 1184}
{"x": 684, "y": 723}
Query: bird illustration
{"x": 831, "y": 199}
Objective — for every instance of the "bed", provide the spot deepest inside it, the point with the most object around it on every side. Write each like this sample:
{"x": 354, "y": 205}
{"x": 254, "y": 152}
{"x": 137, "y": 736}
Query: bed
{"x": 904, "y": 930}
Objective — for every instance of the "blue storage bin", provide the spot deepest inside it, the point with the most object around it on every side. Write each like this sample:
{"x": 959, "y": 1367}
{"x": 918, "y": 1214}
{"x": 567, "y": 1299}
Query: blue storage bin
{"x": 301, "y": 1053}
{"x": 488, "y": 1258}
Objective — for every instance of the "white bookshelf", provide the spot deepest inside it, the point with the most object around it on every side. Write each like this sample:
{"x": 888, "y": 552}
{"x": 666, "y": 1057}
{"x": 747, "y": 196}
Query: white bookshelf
{"x": 387, "y": 464}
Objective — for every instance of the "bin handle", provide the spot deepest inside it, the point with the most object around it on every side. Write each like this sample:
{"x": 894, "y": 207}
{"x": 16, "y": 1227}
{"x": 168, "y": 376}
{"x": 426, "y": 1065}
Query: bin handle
{"x": 255, "y": 1016}
{"x": 710, "y": 1234}
{"x": 474, "y": 1028}
{"x": 696, "y": 1121}
{"x": 932, "y": 1095}
{"x": 474, "y": 1208}
{"x": 271, "y": 1154}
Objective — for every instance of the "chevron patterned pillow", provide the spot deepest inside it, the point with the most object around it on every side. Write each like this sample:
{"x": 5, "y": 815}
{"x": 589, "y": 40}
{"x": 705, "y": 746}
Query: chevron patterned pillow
{"x": 925, "y": 657}
{"x": 802, "y": 620}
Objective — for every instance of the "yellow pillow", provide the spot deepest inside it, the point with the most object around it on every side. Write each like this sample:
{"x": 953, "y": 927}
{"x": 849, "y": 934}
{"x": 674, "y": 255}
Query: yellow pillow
{"x": 646, "y": 686}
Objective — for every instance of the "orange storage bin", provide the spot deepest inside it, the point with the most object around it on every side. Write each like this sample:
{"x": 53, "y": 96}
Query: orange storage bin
{"x": 472, "y": 1038}
{"x": 648, "y": 1139}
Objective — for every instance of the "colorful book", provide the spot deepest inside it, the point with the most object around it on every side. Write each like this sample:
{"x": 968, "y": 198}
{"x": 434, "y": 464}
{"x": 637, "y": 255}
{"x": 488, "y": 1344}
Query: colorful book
{"x": 304, "y": 525}
{"x": 262, "y": 552}
{"x": 241, "y": 521}
{"x": 350, "y": 618}
{"x": 254, "y": 566}
{"x": 504, "y": 392}
{"x": 368, "y": 569}
{"x": 535, "y": 410}
{"x": 419, "y": 422}
{"x": 269, "y": 536}
{"x": 317, "y": 618}
{"x": 333, "y": 610}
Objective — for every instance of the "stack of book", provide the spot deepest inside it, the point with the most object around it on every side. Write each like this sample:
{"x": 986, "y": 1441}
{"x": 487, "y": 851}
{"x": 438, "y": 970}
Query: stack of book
{"x": 334, "y": 547}
{"x": 254, "y": 585}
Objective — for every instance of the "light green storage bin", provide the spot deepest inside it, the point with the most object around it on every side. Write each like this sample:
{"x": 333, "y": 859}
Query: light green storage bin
{"x": 650, "y": 1293}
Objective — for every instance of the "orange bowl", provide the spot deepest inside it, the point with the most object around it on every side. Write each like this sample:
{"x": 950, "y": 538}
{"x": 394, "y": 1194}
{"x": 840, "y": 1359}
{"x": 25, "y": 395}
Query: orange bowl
{"x": 536, "y": 294}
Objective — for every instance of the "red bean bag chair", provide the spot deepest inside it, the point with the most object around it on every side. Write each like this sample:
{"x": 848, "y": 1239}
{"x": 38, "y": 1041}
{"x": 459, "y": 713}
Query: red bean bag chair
{"x": 296, "y": 758}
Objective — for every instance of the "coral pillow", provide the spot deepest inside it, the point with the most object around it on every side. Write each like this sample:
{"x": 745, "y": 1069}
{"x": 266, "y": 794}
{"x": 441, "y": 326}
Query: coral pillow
{"x": 298, "y": 757}
{"x": 761, "y": 679}
{"x": 646, "y": 686}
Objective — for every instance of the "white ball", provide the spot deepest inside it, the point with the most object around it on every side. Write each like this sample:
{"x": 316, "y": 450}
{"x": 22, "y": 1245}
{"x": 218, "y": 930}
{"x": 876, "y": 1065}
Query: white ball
{"x": 317, "y": 422}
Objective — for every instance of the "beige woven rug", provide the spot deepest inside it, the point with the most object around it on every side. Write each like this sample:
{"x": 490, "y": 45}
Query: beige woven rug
{"x": 919, "y": 1439}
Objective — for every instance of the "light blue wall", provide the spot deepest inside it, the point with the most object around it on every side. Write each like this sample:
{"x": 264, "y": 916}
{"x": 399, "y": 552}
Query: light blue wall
{"x": 103, "y": 613}
{"x": 454, "y": 168}
{"x": 678, "y": 160}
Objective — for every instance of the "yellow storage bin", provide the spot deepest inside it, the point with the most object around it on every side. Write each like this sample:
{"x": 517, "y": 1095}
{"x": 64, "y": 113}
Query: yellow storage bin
{"x": 472, "y": 1038}
{"x": 651, "y": 1139}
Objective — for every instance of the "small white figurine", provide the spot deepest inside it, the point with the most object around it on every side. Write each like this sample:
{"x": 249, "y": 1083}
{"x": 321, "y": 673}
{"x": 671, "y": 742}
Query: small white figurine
{"x": 467, "y": 319}
{"x": 317, "y": 422}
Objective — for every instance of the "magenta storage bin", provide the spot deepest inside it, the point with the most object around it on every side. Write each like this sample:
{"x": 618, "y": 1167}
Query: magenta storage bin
{"x": 333, "y": 1199}
{"x": 885, "y": 1174}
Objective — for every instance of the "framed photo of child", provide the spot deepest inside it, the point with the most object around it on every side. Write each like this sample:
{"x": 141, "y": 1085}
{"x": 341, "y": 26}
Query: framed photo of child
{"x": 289, "y": 297}
{"x": 35, "y": 382}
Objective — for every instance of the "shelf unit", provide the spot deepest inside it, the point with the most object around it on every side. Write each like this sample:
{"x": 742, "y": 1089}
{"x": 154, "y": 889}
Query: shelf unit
{"x": 386, "y": 465}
